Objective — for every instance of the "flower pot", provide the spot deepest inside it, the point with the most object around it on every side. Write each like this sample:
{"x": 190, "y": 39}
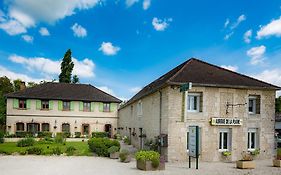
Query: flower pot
{"x": 242, "y": 164}
{"x": 127, "y": 160}
{"x": 114, "y": 155}
{"x": 145, "y": 165}
{"x": 276, "y": 163}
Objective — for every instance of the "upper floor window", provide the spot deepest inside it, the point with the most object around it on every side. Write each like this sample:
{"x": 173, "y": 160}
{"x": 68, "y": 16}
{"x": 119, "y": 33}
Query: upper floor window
{"x": 45, "y": 104}
{"x": 139, "y": 108}
{"x": 86, "y": 106}
{"x": 252, "y": 139}
{"x": 66, "y": 105}
{"x": 22, "y": 103}
{"x": 106, "y": 107}
{"x": 224, "y": 140}
{"x": 194, "y": 102}
{"x": 254, "y": 104}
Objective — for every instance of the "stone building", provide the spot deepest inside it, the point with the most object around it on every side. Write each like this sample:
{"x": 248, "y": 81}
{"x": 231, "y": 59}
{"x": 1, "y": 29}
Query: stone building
{"x": 61, "y": 107}
{"x": 216, "y": 95}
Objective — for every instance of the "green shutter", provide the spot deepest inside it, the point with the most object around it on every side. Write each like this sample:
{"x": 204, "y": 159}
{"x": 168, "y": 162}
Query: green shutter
{"x": 101, "y": 107}
{"x": 92, "y": 106}
{"x": 51, "y": 105}
{"x": 60, "y": 105}
{"x": 113, "y": 107}
{"x": 72, "y": 105}
{"x": 15, "y": 103}
{"x": 38, "y": 104}
{"x": 28, "y": 104}
{"x": 81, "y": 107}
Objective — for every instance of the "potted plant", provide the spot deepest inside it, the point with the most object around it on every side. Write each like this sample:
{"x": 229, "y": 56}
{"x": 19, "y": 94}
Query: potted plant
{"x": 148, "y": 160}
{"x": 277, "y": 161}
{"x": 246, "y": 162}
{"x": 226, "y": 156}
{"x": 114, "y": 152}
{"x": 125, "y": 156}
{"x": 255, "y": 153}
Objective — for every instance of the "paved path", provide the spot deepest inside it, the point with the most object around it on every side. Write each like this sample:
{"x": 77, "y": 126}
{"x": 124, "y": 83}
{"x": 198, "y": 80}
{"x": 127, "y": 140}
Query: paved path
{"x": 63, "y": 165}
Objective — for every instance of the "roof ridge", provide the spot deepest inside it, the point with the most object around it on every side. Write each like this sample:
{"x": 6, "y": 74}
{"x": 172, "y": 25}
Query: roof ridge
{"x": 179, "y": 71}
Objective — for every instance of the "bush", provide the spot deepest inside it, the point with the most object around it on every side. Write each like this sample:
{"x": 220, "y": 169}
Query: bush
{"x": 46, "y": 140}
{"x": 100, "y": 145}
{"x": 278, "y": 156}
{"x": 226, "y": 153}
{"x": 113, "y": 149}
{"x": 149, "y": 156}
{"x": 22, "y": 134}
{"x": 123, "y": 155}
{"x": 44, "y": 134}
{"x": 70, "y": 150}
{"x": 127, "y": 140}
{"x": 255, "y": 152}
{"x": 1, "y": 137}
{"x": 77, "y": 134}
{"x": 57, "y": 151}
{"x": 99, "y": 134}
{"x": 34, "y": 150}
{"x": 60, "y": 138}
{"x": 117, "y": 136}
{"x": 26, "y": 142}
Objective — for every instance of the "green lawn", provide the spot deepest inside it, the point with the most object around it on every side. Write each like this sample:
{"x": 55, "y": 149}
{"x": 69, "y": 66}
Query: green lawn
{"x": 82, "y": 148}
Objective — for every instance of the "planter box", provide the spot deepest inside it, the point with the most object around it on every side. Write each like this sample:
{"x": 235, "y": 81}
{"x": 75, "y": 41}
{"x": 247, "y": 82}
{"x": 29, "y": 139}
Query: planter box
{"x": 245, "y": 164}
{"x": 114, "y": 155}
{"x": 147, "y": 166}
{"x": 127, "y": 160}
{"x": 277, "y": 163}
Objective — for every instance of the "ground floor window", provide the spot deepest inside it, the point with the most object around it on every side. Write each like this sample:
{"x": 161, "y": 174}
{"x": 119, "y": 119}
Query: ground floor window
{"x": 65, "y": 127}
{"x": 224, "y": 139}
{"x": 252, "y": 139}
{"x": 86, "y": 129}
{"x": 20, "y": 126}
{"x": 33, "y": 127}
{"x": 45, "y": 126}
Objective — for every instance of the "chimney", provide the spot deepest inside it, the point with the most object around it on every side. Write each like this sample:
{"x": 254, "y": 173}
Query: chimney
{"x": 22, "y": 85}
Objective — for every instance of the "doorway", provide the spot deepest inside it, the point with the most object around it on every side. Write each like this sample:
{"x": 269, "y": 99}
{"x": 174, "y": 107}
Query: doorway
{"x": 108, "y": 128}
{"x": 33, "y": 128}
{"x": 85, "y": 129}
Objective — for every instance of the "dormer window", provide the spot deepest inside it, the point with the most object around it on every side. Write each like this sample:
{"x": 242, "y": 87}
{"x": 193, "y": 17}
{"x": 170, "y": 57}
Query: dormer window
{"x": 22, "y": 103}
{"x": 106, "y": 107}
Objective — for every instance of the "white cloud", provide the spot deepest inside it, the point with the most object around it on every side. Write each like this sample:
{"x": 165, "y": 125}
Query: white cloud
{"x": 227, "y": 36}
{"x": 238, "y": 21}
{"x": 12, "y": 27}
{"x": 227, "y": 21}
{"x": 108, "y": 49}
{"x": 247, "y": 36}
{"x": 256, "y": 54}
{"x": 21, "y": 17}
{"x": 44, "y": 31}
{"x": 271, "y": 29}
{"x": 135, "y": 90}
{"x": 27, "y": 38}
{"x": 129, "y": 3}
{"x": 146, "y": 4}
{"x": 161, "y": 25}
{"x": 229, "y": 67}
{"x": 84, "y": 68}
{"x": 79, "y": 31}
{"x": 106, "y": 89}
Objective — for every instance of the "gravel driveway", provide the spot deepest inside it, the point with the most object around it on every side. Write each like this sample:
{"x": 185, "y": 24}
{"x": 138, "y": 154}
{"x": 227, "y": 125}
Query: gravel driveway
{"x": 63, "y": 165}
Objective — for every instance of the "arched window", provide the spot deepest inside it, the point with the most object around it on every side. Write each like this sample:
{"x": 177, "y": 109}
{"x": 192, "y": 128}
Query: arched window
{"x": 45, "y": 127}
{"x": 65, "y": 127}
{"x": 20, "y": 126}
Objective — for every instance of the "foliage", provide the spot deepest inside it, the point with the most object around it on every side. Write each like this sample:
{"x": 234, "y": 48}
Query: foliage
{"x": 67, "y": 134}
{"x": 1, "y": 137}
{"x": 44, "y": 134}
{"x": 60, "y": 138}
{"x": 75, "y": 79}
{"x": 147, "y": 155}
{"x": 57, "y": 151}
{"x": 17, "y": 84}
{"x": 66, "y": 68}
{"x": 70, "y": 150}
{"x": 34, "y": 150}
{"x": 152, "y": 144}
{"x": 31, "y": 84}
{"x": 113, "y": 149}
{"x": 46, "y": 140}
{"x": 255, "y": 152}
{"x": 126, "y": 140}
{"x": 117, "y": 136}
{"x": 278, "y": 104}
{"x": 123, "y": 155}
{"x": 155, "y": 162}
{"x": 99, "y": 134}
{"x": 100, "y": 145}
{"x": 22, "y": 134}
{"x": 226, "y": 153}
{"x": 5, "y": 87}
{"x": 278, "y": 156}
{"x": 246, "y": 156}
{"x": 26, "y": 142}
{"x": 77, "y": 134}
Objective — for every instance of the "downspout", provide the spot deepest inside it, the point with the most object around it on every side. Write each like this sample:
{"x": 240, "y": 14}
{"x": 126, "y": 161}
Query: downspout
{"x": 160, "y": 119}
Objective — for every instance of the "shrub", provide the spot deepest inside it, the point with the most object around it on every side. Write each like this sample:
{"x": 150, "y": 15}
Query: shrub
{"x": 44, "y": 134}
{"x": 278, "y": 157}
{"x": 23, "y": 152}
{"x": 34, "y": 150}
{"x": 70, "y": 150}
{"x": 255, "y": 152}
{"x": 10, "y": 135}
{"x": 126, "y": 140}
{"x": 117, "y": 136}
{"x": 60, "y": 138}
{"x": 46, "y": 140}
{"x": 26, "y": 142}
{"x": 226, "y": 153}
{"x": 100, "y": 145}
{"x": 77, "y": 134}
{"x": 149, "y": 156}
{"x": 57, "y": 151}
{"x": 99, "y": 134}
{"x": 113, "y": 149}
{"x": 1, "y": 137}
{"x": 123, "y": 155}
{"x": 22, "y": 134}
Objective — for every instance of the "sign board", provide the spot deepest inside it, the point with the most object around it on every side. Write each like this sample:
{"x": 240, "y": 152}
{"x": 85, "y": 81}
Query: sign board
{"x": 185, "y": 87}
{"x": 193, "y": 141}
{"x": 226, "y": 122}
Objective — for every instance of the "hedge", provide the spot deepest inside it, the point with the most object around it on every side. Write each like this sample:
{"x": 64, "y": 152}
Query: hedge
{"x": 99, "y": 134}
{"x": 100, "y": 146}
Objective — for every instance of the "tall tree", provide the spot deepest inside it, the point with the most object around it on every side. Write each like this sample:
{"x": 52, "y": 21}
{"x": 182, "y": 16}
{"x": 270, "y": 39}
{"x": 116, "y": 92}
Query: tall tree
{"x": 5, "y": 87}
{"x": 17, "y": 84}
{"x": 278, "y": 104}
{"x": 66, "y": 68}
{"x": 75, "y": 79}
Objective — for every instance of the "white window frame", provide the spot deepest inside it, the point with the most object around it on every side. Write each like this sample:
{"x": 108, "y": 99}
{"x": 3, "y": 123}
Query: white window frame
{"x": 254, "y": 98}
{"x": 139, "y": 108}
{"x": 228, "y": 131}
{"x": 249, "y": 139}
{"x": 189, "y": 105}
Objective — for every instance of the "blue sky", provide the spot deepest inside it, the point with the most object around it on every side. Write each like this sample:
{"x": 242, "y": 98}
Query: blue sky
{"x": 122, "y": 45}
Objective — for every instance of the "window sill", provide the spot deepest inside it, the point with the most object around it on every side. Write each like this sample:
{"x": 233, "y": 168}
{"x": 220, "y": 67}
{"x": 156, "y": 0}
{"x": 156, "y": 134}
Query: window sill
{"x": 193, "y": 111}
{"x": 21, "y": 108}
{"x": 223, "y": 150}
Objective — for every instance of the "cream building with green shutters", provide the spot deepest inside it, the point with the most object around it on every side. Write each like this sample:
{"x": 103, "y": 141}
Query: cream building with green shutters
{"x": 61, "y": 107}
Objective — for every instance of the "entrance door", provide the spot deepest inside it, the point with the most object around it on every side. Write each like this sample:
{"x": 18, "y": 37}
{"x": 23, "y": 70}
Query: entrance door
{"x": 33, "y": 128}
{"x": 107, "y": 128}
{"x": 86, "y": 129}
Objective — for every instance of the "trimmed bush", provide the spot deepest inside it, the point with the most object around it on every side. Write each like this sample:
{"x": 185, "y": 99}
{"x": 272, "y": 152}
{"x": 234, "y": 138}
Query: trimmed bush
{"x": 22, "y": 134}
{"x": 26, "y": 142}
{"x": 123, "y": 155}
{"x": 77, "y": 134}
{"x": 34, "y": 150}
{"x": 100, "y": 145}
{"x": 44, "y": 134}
{"x": 57, "y": 151}
{"x": 1, "y": 137}
{"x": 113, "y": 149}
{"x": 70, "y": 150}
{"x": 99, "y": 134}
{"x": 152, "y": 156}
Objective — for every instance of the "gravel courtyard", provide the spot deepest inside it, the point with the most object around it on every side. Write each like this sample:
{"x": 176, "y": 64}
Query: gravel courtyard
{"x": 62, "y": 165}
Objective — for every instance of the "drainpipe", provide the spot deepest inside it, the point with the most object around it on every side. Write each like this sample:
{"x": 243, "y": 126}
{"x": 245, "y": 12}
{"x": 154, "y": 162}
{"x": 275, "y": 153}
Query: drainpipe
{"x": 160, "y": 118}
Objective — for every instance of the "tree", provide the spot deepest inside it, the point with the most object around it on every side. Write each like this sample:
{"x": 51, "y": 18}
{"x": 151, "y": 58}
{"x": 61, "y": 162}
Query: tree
{"x": 17, "y": 84}
{"x": 5, "y": 87}
{"x": 278, "y": 104}
{"x": 31, "y": 84}
{"x": 75, "y": 79}
{"x": 66, "y": 68}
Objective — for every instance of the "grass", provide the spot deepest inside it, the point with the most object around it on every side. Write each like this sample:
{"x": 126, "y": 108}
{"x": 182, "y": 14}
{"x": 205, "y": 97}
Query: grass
{"x": 82, "y": 148}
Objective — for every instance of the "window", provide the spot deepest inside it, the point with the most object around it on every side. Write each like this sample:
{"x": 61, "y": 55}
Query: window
{"x": 66, "y": 105}
{"x": 106, "y": 107}
{"x": 20, "y": 126}
{"x": 45, "y": 127}
{"x": 65, "y": 127}
{"x": 86, "y": 106}
{"x": 139, "y": 108}
{"x": 45, "y": 104}
{"x": 193, "y": 102}
{"x": 252, "y": 139}
{"x": 22, "y": 103}
{"x": 254, "y": 104}
{"x": 224, "y": 140}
